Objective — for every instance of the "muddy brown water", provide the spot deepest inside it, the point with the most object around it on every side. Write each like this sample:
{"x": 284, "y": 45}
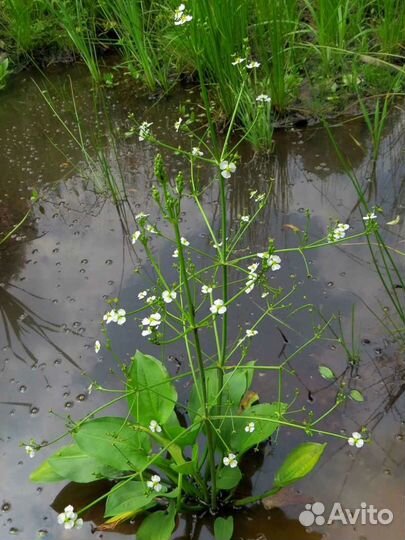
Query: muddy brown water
{"x": 58, "y": 270}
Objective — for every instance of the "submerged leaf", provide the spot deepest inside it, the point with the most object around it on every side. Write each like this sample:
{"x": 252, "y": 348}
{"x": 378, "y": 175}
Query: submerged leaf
{"x": 298, "y": 464}
{"x": 356, "y": 395}
{"x": 327, "y": 373}
{"x": 286, "y": 497}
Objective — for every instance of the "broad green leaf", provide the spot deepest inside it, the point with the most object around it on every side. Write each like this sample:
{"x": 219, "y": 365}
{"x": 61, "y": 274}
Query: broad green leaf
{"x": 228, "y": 478}
{"x": 185, "y": 468}
{"x": 184, "y": 437}
{"x": 195, "y": 407}
{"x": 223, "y": 528}
{"x": 128, "y": 498}
{"x": 73, "y": 464}
{"x": 356, "y": 396}
{"x": 299, "y": 463}
{"x": 45, "y": 474}
{"x": 158, "y": 525}
{"x": 264, "y": 416}
{"x": 152, "y": 396}
{"x": 327, "y": 373}
{"x": 112, "y": 441}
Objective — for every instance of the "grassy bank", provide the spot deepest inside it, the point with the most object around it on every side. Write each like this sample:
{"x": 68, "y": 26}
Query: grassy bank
{"x": 312, "y": 58}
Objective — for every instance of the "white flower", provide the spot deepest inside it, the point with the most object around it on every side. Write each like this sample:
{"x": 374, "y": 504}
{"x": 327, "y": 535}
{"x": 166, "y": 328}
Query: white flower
{"x": 180, "y": 17}
{"x": 97, "y": 346}
{"x": 30, "y": 451}
{"x": 154, "y": 427}
{"x": 177, "y": 124}
{"x": 356, "y": 440}
{"x": 154, "y": 483}
{"x": 245, "y": 219}
{"x": 169, "y": 296}
{"x": 250, "y": 285}
{"x": 227, "y": 168}
{"x": 110, "y": 316}
{"x": 151, "y": 228}
{"x": 153, "y": 320}
{"x": 142, "y": 295}
{"x": 274, "y": 262}
{"x": 196, "y": 151}
{"x": 370, "y": 216}
{"x": 253, "y": 64}
{"x": 184, "y": 241}
{"x": 206, "y": 289}
{"x": 251, "y": 333}
{"x": 69, "y": 519}
{"x": 147, "y": 332}
{"x": 250, "y": 427}
{"x": 263, "y": 98}
{"x": 263, "y": 255}
{"x": 121, "y": 317}
{"x": 135, "y": 237}
{"x": 141, "y": 215}
{"x": 175, "y": 254}
{"x": 150, "y": 299}
{"x": 144, "y": 130}
{"x": 218, "y": 307}
{"x": 253, "y": 267}
{"x": 230, "y": 461}
{"x": 264, "y": 294}
{"x": 342, "y": 227}
{"x": 338, "y": 232}
{"x": 238, "y": 60}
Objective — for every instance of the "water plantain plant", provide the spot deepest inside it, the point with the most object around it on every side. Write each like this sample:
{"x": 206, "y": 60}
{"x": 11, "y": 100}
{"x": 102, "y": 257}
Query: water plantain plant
{"x": 169, "y": 455}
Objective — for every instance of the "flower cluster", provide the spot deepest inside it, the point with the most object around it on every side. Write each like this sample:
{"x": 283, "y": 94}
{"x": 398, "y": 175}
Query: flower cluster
{"x": 144, "y": 130}
{"x": 195, "y": 151}
{"x": 251, "y": 333}
{"x": 250, "y": 427}
{"x": 206, "y": 289}
{"x": 154, "y": 483}
{"x": 151, "y": 323}
{"x": 263, "y": 98}
{"x": 154, "y": 427}
{"x": 230, "y": 461}
{"x": 30, "y": 451}
{"x": 116, "y": 316}
{"x": 180, "y": 16}
{"x": 356, "y": 440}
{"x": 272, "y": 261}
{"x": 68, "y": 518}
{"x": 252, "y": 277}
{"x": 338, "y": 232}
{"x": 218, "y": 307}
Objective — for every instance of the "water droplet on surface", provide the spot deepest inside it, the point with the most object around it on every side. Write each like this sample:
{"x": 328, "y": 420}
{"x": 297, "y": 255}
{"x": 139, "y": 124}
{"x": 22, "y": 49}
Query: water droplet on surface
{"x": 6, "y": 507}
{"x": 34, "y": 411}
{"x": 23, "y": 388}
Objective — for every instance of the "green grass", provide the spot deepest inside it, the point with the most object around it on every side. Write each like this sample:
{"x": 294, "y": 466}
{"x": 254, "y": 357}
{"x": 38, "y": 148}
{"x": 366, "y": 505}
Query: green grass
{"x": 334, "y": 51}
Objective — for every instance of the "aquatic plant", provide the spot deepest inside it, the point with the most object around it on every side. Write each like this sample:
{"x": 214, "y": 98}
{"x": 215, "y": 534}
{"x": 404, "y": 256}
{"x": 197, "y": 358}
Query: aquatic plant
{"x": 166, "y": 455}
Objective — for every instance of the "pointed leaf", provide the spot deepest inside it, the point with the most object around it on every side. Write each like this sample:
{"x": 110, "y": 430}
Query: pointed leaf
{"x": 355, "y": 395}
{"x": 298, "y": 464}
{"x": 159, "y": 525}
{"x": 128, "y": 498}
{"x": 45, "y": 474}
{"x": 327, "y": 373}
{"x": 152, "y": 396}
{"x": 112, "y": 441}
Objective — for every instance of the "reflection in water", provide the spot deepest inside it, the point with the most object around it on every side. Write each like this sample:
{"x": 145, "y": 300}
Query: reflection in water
{"x": 56, "y": 284}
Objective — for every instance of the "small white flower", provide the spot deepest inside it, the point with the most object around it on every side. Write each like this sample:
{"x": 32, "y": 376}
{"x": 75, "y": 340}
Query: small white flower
{"x": 121, "y": 317}
{"x": 184, "y": 241}
{"x": 110, "y": 316}
{"x": 370, "y": 216}
{"x": 264, "y": 294}
{"x": 97, "y": 346}
{"x": 147, "y": 331}
{"x": 196, "y": 152}
{"x": 263, "y": 255}
{"x": 356, "y": 440}
{"x": 245, "y": 219}
{"x": 141, "y": 215}
{"x": 250, "y": 285}
{"x": 151, "y": 229}
{"x": 218, "y": 307}
{"x": 144, "y": 130}
{"x": 274, "y": 262}
{"x": 238, "y": 60}
{"x": 150, "y": 299}
{"x": 230, "y": 461}
{"x": 250, "y": 427}
{"x": 253, "y": 64}
{"x": 251, "y": 333}
{"x": 177, "y": 124}
{"x": 263, "y": 98}
{"x": 154, "y": 427}
{"x": 30, "y": 451}
{"x": 154, "y": 483}
{"x": 142, "y": 295}
{"x": 227, "y": 168}
{"x": 206, "y": 289}
{"x": 135, "y": 237}
{"x": 253, "y": 267}
{"x": 342, "y": 227}
{"x": 68, "y": 518}
{"x": 175, "y": 254}
{"x": 169, "y": 296}
{"x": 180, "y": 17}
{"x": 155, "y": 319}
{"x": 338, "y": 232}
